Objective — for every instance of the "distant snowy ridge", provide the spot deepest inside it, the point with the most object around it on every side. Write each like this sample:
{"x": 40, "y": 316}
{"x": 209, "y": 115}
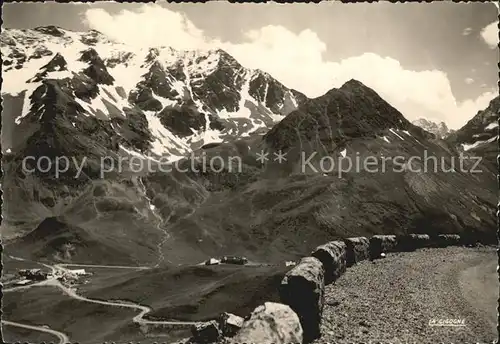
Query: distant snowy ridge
{"x": 440, "y": 129}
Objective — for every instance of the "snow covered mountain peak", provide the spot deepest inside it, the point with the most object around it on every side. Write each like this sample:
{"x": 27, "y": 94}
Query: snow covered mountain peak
{"x": 440, "y": 129}
{"x": 187, "y": 98}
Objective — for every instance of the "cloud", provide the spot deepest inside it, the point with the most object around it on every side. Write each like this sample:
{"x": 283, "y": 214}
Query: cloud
{"x": 296, "y": 59}
{"x": 469, "y": 81}
{"x": 151, "y": 25}
{"x": 490, "y": 34}
{"x": 415, "y": 93}
{"x": 467, "y": 31}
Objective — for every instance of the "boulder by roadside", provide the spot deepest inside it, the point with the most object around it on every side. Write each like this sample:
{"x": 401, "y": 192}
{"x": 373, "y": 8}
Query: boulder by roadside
{"x": 444, "y": 240}
{"x": 411, "y": 242}
{"x": 302, "y": 289}
{"x": 270, "y": 323}
{"x": 358, "y": 249}
{"x": 382, "y": 244}
{"x": 333, "y": 257}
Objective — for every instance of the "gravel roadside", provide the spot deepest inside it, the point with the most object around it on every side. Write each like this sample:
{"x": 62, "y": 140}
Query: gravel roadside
{"x": 392, "y": 300}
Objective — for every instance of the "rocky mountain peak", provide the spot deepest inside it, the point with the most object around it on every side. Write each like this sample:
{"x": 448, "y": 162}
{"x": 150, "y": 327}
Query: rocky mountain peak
{"x": 90, "y": 56}
{"x": 56, "y": 64}
{"x": 226, "y": 58}
{"x": 352, "y": 111}
{"x": 353, "y": 84}
{"x": 96, "y": 69}
{"x": 357, "y": 88}
{"x": 50, "y": 30}
{"x": 152, "y": 55}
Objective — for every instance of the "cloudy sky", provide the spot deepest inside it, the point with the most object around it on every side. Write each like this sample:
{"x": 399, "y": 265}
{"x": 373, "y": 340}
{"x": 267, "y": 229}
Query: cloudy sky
{"x": 435, "y": 60}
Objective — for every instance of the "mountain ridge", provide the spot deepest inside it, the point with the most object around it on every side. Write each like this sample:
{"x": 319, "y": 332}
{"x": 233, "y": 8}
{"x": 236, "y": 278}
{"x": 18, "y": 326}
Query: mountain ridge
{"x": 169, "y": 104}
{"x": 152, "y": 80}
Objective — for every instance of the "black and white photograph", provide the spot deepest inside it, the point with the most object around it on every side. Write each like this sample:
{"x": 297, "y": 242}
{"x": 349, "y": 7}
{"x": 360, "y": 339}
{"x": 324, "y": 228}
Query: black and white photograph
{"x": 250, "y": 173}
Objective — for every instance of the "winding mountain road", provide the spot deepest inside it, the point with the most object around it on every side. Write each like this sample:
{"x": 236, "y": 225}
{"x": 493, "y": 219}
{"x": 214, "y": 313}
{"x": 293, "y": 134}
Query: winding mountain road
{"x": 410, "y": 297}
{"x": 71, "y": 292}
{"x": 105, "y": 266}
{"x": 63, "y": 338}
{"x": 480, "y": 288}
{"x": 139, "y": 318}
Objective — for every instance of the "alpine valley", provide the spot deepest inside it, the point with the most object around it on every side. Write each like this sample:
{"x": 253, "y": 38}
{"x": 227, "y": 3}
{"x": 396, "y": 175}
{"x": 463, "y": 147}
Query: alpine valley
{"x": 83, "y": 96}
